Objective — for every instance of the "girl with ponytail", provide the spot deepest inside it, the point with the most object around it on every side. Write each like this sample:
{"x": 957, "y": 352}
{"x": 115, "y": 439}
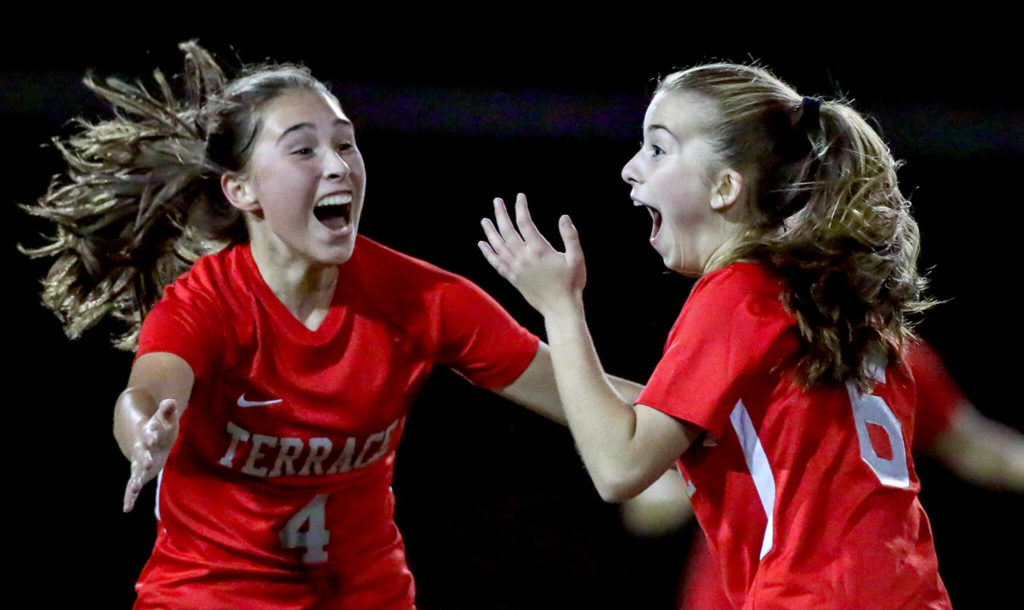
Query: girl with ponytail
{"x": 782, "y": 394}
{"x": 220, "y": 229}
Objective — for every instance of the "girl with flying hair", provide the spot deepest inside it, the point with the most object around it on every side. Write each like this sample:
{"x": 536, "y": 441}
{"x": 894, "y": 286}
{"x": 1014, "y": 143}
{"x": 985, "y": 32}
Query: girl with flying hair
{"x": 782, "y": 393}
{"x": 225, "y": 220}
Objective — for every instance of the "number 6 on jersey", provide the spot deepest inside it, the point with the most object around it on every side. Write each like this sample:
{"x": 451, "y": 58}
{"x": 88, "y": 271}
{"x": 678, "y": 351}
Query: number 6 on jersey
{"x": 307, "y": 529}
{"x": 869, "y": 409}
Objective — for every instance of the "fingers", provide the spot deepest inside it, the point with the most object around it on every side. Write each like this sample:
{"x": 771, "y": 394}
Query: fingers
{"x": 135, "y": 482}
{"x": 495, "y": 250}
{"x": 492, "y": 257}
{"x": 505, "y": 228}
{"x": 527, "y": 228}
{"x": 142, "y": 464}
{"x": 157, "y": 437}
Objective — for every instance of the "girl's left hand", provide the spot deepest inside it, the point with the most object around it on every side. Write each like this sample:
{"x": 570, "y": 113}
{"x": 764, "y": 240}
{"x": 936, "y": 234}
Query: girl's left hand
{"x": 551, "y": 281}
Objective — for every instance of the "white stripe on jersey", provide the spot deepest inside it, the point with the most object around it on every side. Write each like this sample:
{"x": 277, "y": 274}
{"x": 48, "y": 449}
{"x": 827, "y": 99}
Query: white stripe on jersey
{"x": 156, "y": 504}
{"x": 760, "y": 469}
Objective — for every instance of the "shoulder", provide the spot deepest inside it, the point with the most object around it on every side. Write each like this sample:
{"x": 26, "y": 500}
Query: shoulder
{"x": 741, "y": 281}
{"x": 386, "y": 269}
{"x": 739, "y": 292}
{"x": 218, "y": 288}
{"x": 213, "y": 274}
{"x": 369, "y": 251}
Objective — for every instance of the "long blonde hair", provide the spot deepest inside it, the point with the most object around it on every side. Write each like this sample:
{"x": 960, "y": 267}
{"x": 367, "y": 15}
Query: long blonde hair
{"x": 140, "y": 199}
{"x": 825, "y": 213}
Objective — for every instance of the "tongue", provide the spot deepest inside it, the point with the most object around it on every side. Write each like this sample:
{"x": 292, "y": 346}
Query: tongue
{"x": 333, "y": 217}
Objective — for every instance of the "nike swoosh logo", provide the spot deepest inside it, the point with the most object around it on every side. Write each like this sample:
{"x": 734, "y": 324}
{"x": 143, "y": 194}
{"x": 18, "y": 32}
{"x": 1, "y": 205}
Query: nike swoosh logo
{"x": 242, "y": 402}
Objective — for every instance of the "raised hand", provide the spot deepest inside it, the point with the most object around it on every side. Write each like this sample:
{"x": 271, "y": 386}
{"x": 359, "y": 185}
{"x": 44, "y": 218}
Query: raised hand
{"x": 150, "y": 450}
{"x": 551, "y": 281}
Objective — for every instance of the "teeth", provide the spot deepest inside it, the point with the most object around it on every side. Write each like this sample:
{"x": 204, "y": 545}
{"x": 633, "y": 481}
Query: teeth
{"x": 344, "y": 199}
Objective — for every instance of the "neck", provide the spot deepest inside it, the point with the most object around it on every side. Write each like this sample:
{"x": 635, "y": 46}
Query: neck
{"x": 306, "y": 289}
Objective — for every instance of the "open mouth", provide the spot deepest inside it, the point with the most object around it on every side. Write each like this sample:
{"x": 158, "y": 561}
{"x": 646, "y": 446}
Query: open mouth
{"x": 655, "y": 218}
{"x": 335, "y": 211}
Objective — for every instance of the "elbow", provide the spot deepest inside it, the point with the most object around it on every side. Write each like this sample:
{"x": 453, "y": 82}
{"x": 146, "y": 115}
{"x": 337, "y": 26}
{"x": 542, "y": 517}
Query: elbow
{"x": 614, "y": 495}
{"x": 616, "y": 485}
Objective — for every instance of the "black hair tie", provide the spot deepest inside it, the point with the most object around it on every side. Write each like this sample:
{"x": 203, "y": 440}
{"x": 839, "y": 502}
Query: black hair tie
{"x": 810, "y": 114}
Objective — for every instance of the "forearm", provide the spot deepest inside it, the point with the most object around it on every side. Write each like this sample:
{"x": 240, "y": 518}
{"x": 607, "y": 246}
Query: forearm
{"x": 627, "y": 390}
{"x": 624, "y": 447}
{"x": 982, "y": 451}
{"x": 602, "y": 422}
{"x": 537, "y": 390}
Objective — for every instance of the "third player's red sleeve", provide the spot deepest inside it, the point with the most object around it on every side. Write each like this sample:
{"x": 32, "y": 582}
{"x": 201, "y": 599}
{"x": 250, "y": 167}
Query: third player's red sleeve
{"x": 938, "y": 396}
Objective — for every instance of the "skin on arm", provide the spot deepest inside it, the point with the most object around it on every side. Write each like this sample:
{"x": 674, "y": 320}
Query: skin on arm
{"x": 659, "y": 510}
{"x": 981, "y": 451}
{"x": 537, "y": 390}
{"x": 625, "y": 447}
{"x": 146, "y": 416}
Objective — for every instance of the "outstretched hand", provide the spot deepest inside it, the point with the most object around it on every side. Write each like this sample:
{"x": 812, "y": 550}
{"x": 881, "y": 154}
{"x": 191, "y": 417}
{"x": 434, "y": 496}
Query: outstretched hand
{"x": 151, "y": 448}
{"x": 551, "y": 281}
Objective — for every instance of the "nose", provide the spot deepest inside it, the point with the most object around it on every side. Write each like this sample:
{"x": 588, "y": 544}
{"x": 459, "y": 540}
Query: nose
{"x": 631, "y": 170}
{"x": 335, "y": 166}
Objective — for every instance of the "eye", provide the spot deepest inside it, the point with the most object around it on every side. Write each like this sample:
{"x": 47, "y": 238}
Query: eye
{"x": 345, "y": 146}
{"x": 302, "y": 151}
{"x": 656, "y": 151}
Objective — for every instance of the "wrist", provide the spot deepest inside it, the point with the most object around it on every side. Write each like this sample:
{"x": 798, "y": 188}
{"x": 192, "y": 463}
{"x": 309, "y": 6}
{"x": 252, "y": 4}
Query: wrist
{"x": 568, "y": 308}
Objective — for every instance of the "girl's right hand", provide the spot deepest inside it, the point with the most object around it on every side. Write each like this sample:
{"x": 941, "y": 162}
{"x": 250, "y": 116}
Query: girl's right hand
{"x": 551, "y": 281}
{"x": 150, "y": 450}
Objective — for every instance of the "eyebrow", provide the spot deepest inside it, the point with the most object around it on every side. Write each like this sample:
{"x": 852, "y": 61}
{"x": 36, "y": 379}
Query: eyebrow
{"x": 299, "y": 126}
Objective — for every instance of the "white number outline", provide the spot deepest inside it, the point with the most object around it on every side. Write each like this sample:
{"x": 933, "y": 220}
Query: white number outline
{"x": 872, "y": 409}
{"x": 315, "y": 537}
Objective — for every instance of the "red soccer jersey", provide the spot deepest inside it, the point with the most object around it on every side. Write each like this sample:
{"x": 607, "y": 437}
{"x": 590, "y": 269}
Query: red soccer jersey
{"x": 938, "y": 396}
{"x": 807, "y": 498}
{"x": 282, "y": 469}
{"x": 938, "y": 399}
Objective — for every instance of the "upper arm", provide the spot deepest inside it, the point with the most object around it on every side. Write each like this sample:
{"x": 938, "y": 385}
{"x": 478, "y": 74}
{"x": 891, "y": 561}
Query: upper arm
{"x": 162, "y": 375}
{"x": 535, "y": 388}
{"x": 483, "y": 343}
{"x": 660, "y": 440}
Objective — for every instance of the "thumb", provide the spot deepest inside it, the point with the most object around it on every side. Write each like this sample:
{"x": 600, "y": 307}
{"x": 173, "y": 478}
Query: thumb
{"x": 168, "y": 411}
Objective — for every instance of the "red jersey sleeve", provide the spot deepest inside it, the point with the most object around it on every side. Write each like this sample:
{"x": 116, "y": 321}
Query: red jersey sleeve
{"x": 479, "y": 339}
{"x": 727, "y": 330}
{"x": 938, "y": 396}
{"x": 185, "y": 322}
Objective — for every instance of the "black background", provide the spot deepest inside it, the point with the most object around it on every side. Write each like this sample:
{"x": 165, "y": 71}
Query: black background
{"x": 493, "y": 501}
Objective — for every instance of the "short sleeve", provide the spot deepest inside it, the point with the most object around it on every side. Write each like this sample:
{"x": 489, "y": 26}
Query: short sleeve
{"x": 938, "y": 396}
{"x": 479, "y": 339}
{"x": 184, "y": 323}
{"x": 727, "y": 331}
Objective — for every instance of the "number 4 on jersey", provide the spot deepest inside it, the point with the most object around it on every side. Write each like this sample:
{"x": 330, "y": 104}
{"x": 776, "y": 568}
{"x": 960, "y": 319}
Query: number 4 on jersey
{"x": 307, "y": 530}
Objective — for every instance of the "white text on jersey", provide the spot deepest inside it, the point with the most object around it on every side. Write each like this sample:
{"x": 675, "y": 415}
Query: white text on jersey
{"x": 261, "y": 455}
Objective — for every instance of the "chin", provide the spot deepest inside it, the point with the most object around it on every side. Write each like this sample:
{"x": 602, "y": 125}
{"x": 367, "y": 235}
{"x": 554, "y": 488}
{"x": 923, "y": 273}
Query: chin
{"x": 338, "y": 255}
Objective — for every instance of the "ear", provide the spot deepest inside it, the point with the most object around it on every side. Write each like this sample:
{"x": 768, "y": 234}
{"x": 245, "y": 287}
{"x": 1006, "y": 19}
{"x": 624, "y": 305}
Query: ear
{"x": 726, "y": 189}
{"x": 239, "y": 192}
